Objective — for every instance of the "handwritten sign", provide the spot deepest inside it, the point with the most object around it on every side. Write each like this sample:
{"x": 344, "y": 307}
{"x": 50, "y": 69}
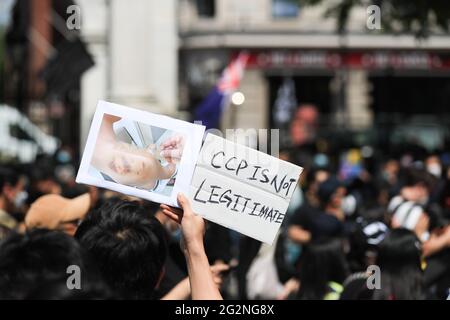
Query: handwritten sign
{"x": 242, "y": 189}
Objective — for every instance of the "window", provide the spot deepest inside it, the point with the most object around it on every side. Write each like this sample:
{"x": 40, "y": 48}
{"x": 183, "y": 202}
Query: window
{"x": 285, "y": 8}
{"x": 206, "y": 8}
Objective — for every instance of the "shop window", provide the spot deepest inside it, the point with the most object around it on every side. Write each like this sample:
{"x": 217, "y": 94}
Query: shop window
{"x": 285, "y": 8}
{"x": 206, "y": 8}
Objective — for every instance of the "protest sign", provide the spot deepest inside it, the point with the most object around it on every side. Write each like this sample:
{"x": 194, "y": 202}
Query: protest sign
{"x": 241, "y": 188}
{"x": 140, "y": 153}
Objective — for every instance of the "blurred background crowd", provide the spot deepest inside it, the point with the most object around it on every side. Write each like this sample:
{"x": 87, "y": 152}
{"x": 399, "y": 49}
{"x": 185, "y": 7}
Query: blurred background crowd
{"x": 365, "y": 111}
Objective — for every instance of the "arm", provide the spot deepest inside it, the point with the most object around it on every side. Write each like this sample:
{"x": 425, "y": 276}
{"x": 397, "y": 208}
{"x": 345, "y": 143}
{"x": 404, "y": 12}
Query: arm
{"x": 105, "y": 141}
{"x": 291, "y": 286}
{"x": 193, "y": 229}
{"x": 200, "y": 276}
{"x": 182, "y": 290}
{"x": 436, "y": 243}
{"x": 298, "y": 234}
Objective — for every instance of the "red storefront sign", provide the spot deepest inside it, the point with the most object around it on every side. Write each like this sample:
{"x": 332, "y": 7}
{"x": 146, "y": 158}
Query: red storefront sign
{"x": 312, "y": 59}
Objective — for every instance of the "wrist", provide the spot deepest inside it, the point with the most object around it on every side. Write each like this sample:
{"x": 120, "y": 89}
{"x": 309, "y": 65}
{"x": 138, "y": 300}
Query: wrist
{"x": 194, "y": 248}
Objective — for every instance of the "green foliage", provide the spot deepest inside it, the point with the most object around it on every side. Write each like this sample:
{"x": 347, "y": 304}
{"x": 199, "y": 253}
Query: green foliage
{"x": 408, "y": 16}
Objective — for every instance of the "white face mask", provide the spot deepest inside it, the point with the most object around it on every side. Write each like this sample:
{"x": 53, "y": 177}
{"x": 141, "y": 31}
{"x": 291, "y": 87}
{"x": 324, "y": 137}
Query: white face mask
{"x": 435, "y": 169}
{"x": 423, "y": 201}
{"x": 20, "y": 198}
{"x": 349, "y": 205}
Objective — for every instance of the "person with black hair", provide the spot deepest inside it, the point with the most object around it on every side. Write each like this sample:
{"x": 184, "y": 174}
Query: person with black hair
{"x": 408, "y": 209}
{"x": 413, "y": 210}
{"x": 399, "y": 259}
{"x": 174, "y": 284}
{"x": 437, "y": 250}
{"x": 175, "y": 265}
{"x": 42, "y": 180}
{"x": 355, "y": 287}
{"x": 322, "y": 270}
{"x": 364, "y": 239}
{"x": 311, "y": 223}
{"x": 10, "y": 189}
{"x": 95, "y": 289}
{"x": 38, "y": 257}
{"x": 128, "y": 246}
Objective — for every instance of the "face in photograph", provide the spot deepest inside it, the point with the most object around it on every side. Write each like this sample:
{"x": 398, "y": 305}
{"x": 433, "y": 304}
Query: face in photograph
{"x": 134, "y": 166}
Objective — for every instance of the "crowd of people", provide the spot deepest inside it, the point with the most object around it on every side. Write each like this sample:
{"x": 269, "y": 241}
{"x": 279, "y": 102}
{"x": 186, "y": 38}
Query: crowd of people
{"x": 378, "y": 231}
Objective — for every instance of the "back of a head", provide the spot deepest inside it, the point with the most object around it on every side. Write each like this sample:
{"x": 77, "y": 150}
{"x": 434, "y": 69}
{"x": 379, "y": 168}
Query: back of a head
{"x": 327, "y": 189}
{"x": 128, "y": 245}
{"x": 415, "y": 176}
{"x": 399, "y": 259}
{"x": 58, "y": 290}
{"x": 8, "y": 176}
{"x": 321, "y": 262}
{"x": 400, "y": 248}
{"x": 355, "y": 287}
{"x": 364, "y": 240}
{"x": 35, "y": 258}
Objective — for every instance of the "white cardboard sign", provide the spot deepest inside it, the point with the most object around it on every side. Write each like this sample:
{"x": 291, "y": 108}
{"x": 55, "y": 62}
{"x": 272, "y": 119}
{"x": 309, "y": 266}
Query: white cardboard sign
{"x": 241, "y": 188}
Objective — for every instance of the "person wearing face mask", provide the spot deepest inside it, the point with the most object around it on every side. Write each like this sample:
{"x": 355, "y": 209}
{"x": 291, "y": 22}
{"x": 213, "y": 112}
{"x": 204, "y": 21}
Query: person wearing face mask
{"x": 412, "y": 209}
{"x": 327, "y": 220}
{"x": 433, "y": 166}
{"x": 408, "y": 208}
{"x": 10, "y": 196}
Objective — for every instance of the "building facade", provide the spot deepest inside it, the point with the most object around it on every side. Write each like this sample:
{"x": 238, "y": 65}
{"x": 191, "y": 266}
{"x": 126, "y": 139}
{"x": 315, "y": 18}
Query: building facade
{"x": 134, "y": 45}
{"x": 356, "y": 79}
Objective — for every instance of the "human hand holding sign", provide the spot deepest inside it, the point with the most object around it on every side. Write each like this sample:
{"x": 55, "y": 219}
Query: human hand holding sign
{"x": 201, "y": 278}
{"x": 192, "y": 226}
{"x": 172, "y": 149}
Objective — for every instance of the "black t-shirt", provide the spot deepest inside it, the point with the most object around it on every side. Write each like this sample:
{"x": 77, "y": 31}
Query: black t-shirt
{"x": 437, "y": 274}
{"x": 174, "y": 268}
{"x": 318, "y": 222}
{"x": 217, "y": 243}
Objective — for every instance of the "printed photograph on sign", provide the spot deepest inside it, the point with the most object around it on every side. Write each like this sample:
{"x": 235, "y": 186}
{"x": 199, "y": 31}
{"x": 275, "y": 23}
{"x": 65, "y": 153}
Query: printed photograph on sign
{"x": 140, "y": 153}
{"x": 137, "y": 155}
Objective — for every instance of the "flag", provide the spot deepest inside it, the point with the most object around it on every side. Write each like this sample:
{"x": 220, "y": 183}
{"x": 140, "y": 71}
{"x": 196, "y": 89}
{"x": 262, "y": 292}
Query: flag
{"x": 210, "y": 109}
{"x": 285, "y": 103}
